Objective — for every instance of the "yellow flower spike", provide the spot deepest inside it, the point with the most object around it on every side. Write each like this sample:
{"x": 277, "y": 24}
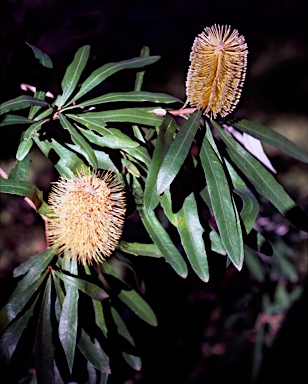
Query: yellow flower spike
{"x": 217, "y": 71}
{"x": 88, "y": 212}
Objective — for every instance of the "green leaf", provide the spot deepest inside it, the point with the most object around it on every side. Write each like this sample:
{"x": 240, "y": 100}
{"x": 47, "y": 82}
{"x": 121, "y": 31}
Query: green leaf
{"x": 99, "y": 317}
{"x": 139, "y": 249}
{"x": 42, "y": 57}
{"x": 115, "y": 139}
{"x": 68, "y": 161}
{"x": 22, "y": 188}
{"x": 17, "y": 303}
{"x": 130, "y": 167}
{"x": 145, "y": 52}
{"x": 177, "y": 152}
{"x": 254, "y": 265}
{"x": 107, "y": 70}
{"x": 132, "y": 360}
{"x": 93, "y": 352}
{"x": 222, "y": 203}
{"x": 271, "y": 137}
{"x": 216, "y": 243}
{"x": 73, "y": 73}
{"x": 158, "y": 234}
{"x": 14, "y": 119}
{"x": 250, "y": 208}
{"x": 34, "y": 109}
{"x": 44, "y": 114}
{"x": 143, "y": 116}
{"x": 88, "y": 288}
{"x": 21, "y": 102}
{"x": 133, "y": 96}
{"x": 11, "y": 336}
{"x": 162, "y": 145}
{"x": 139, "y": 153}
{"x": 131, "y": 298}
{"x": 79, "y": 140}
{"x": 27, "y": 140}
{"x": 68, "y": 324}
{"x": 44, "y": 349}
{"x": 257, "y": 174}
{"x": 20, "y": 170}
{"x": 191, "y": 232}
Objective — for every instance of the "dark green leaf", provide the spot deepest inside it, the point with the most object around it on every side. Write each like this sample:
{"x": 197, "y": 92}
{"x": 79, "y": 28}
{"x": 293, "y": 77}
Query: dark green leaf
{"x": 145, "y": 52}
{"x": 107, "y": 70}
{"x": 134, "y": 96}
{"x": 88, "y": 288}
{"x": 254, "y": 265}
{"x": 27, "y": 140}
{"x": 263, "y": 180}
{"x": 11, "y": 336}
{"x": 143, "y": 116}
{"x": 133, "y": 361}
{"x": 99, "y": 316}
{"x": 68, "y": 161}
{"x": 22, "y": 188}
{"x": 139, "y": 153}
{"x": 44, "y": 348}
{"x": 20, "y": 170}
{"x": 21, "y": 102}
{"x": 14, "y": 119}
{"x": 177, "y": 152}
{"x": 191, "y": 232}
{"x": 93, "y": 352}
{"x": 222, "y": 203}
{"x": 73, "y": 73}
{"x": 42, "y": 57}
{"x": 163, "y": 142}
{"x": 44, "y": 114}
{"x": 250, "y": 208}
{"x": 131, "y": 298}
{"x": 34, "y": 109}
{"x": 79, "y": 140}
{"x": 17, "y": 303}
{"x": 139, "y": 249}
{"x": 68, "y": 324}
{"x": 271, "y": 137}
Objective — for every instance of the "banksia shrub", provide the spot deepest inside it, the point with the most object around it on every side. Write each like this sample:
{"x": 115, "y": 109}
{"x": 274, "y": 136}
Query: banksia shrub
{"x": 87, "y": 216}
{"x": 217, "y": 71}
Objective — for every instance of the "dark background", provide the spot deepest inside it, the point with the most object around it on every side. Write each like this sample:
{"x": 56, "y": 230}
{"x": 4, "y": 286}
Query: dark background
{"x": 193, "y": 343}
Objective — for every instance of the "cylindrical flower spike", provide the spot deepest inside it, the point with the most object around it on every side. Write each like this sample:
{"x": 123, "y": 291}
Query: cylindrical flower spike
{"x": 87, "y": 216}
{"x": 217, "y": 71}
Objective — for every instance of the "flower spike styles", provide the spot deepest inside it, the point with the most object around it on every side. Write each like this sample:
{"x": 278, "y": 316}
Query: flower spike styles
{"x": 88, "y": 212}
{"x": 217, "y": 71}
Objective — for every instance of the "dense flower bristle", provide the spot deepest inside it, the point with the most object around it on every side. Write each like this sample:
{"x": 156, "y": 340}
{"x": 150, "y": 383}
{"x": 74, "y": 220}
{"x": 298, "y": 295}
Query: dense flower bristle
{"x": 217, "y": 71}
{"x": 87, "y": 216}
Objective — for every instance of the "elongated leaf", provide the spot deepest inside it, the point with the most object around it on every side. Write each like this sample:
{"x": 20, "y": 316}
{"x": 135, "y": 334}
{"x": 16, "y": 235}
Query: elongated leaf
{"x": 107, "y": 70}
{"x": 34, "y": 109}
{"x": 79, "y": 140}
{"x": 130, "y": 167}
{"x": 250, "y": 208}
{"x": 68, "y": 161}
{"x": 191, "y": 232}
{"x": 162, "y": 145}
{"x": 14, "y": 119}
{"x": 139, "y": 249}
{"x": 88, "y": 288}
{"x": 93, "y": 352}
{"x": 68, "y": 324}
{"x": 115, "y": 141}
{"x": 21, "y": 102}
{"x": 20, "y": 170}
{"x": 143, "y": 116}
{"x": 272, "y": 137}
{"x": 254, "y": 265}
{"x": 17, "y": 303}
{"x": 73, "y": 73}
{"x": 99, "y": 317}
{"x": 22, "y": 188}
{"x": 222, "y": 204}
{"x": 133, "y": 360}
{"x": 11, "y": 336}
{"x": 27, "y": 140}
{"x": 145, "y": 52}
{"x": 132, "y": 299}
{"x": 177, "y": 152}
{"x": 133, "y": 96}
{"x": 42, "y": 57}
{"x": 216, "y": 243}
{"x": 44, "y": 114}
{"x": 263, "y": 181}
{"x": 44, "y": 349}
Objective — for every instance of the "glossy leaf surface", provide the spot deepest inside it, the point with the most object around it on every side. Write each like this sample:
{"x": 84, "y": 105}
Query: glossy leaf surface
{"x": 21, "y": 102}
{"x": 41, "y": 56}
